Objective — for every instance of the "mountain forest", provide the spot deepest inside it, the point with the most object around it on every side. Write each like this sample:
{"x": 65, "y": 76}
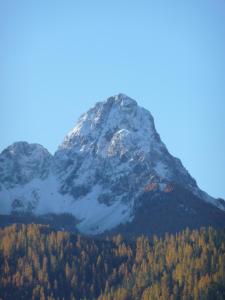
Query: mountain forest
{"x": 38, "y": 262}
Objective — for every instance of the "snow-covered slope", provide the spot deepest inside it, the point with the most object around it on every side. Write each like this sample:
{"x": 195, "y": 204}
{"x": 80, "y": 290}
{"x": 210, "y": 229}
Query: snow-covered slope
{"x": 115, "y": 144}
{"x": 100, "y": 171}
{"x": 25, "y": 179}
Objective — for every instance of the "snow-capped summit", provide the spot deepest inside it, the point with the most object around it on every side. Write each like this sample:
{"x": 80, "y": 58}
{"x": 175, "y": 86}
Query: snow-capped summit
{"x": 102, "y": 172}
{"x": 21, "y": 162}
{"x": 120, "y": 134}
{"x": 116, "y": 120}
{"x": 122, "y": 100}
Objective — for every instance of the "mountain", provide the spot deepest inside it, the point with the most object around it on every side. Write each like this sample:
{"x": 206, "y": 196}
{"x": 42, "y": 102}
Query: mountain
{"x": 112, "y": 172}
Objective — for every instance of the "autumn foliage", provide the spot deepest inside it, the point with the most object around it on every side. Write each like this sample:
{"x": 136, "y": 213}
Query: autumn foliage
{"x": 37, "y": 262}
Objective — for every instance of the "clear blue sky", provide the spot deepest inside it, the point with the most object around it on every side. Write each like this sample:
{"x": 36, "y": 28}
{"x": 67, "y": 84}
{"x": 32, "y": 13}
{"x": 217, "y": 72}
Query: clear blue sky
{"x": 57, "y": 58}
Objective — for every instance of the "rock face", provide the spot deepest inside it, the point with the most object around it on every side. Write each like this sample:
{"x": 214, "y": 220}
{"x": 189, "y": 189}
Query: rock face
{"x": 22, "y": 162}
{"x": 24, "y": 169}
{"x": 107, "y": 164}
{"x": 116, "y": 146}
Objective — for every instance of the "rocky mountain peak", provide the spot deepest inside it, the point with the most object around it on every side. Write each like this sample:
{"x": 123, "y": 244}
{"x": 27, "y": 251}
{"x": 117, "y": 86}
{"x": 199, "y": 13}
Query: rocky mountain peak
{"x": 115, "y": 123}
{"x": 122, "y": 100}
{"x": 21, "y": 162}
{"x": 112, "y": 156}
{"x": 110, "y": 167}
